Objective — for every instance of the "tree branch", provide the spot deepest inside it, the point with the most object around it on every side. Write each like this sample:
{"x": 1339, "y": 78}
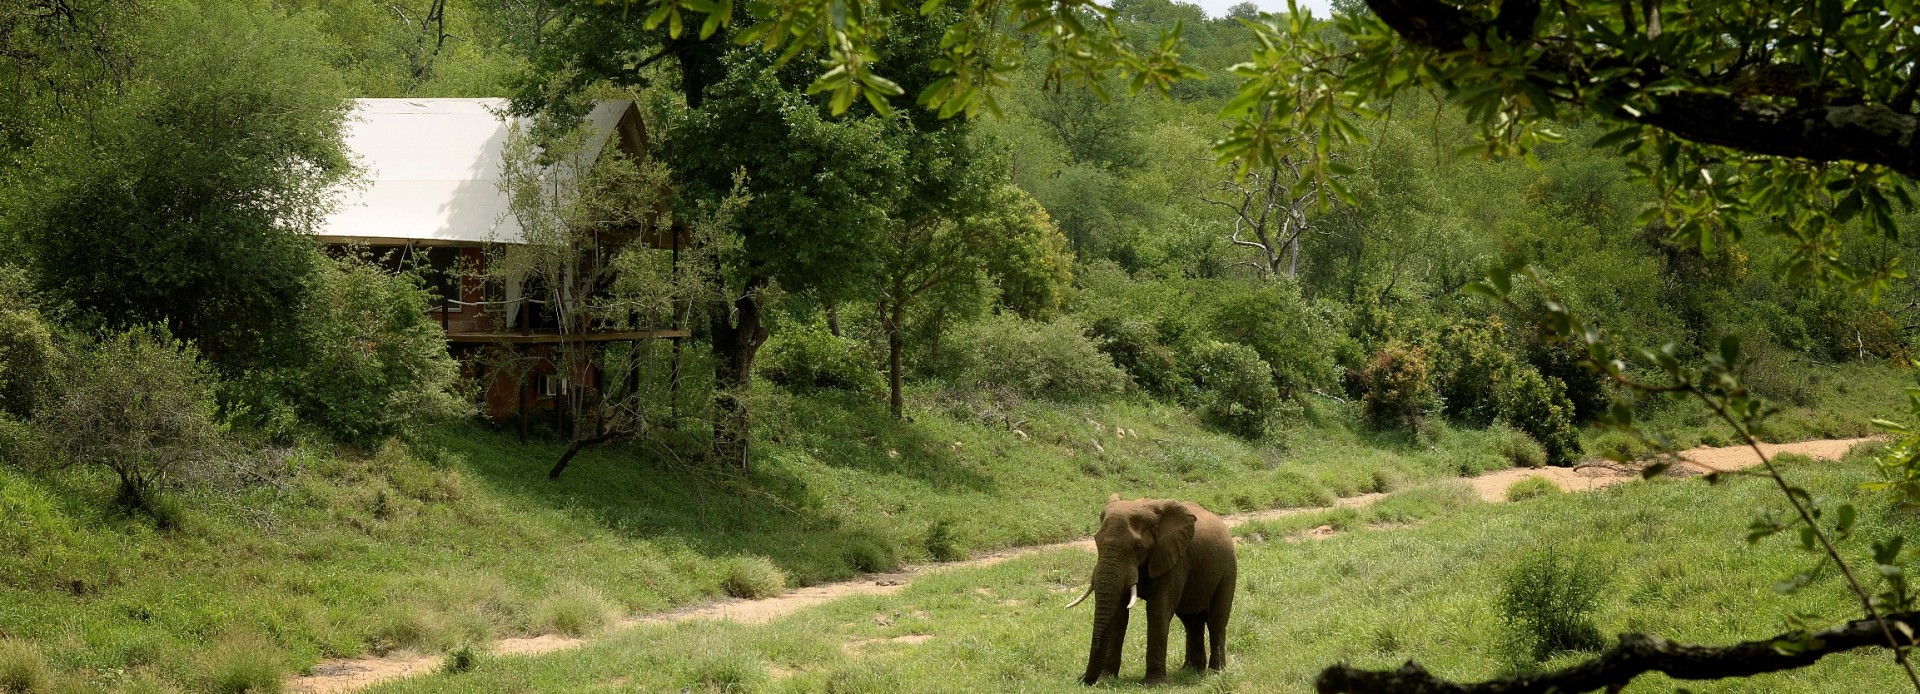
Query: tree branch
{"x": 1867, "y": 133}
{"x": 1633, "y": 656}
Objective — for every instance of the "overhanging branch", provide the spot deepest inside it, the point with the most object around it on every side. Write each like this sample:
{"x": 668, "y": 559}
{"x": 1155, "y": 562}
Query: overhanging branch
{"x": 1867, "y": 133}
{"x": 1633, "y": 656}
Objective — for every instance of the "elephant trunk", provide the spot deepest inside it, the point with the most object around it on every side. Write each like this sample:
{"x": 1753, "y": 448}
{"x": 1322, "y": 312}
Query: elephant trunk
{"x": 1111, "y": 595}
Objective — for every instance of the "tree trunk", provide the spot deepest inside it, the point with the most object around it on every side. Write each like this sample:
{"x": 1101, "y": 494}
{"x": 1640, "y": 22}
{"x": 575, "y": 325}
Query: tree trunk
{"x": 896, "y": 347}
{"x": 896, "y": 402}
{"x": 736, "y": 339}
{"x": 833, "y": 318}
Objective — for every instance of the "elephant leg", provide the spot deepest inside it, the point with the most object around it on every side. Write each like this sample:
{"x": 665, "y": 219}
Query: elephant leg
{"x": 1217, "y": 625}
{"x": 1195, "y": 625}
{"x": 1116, "y": 640}
{"x": 1159, "y": 617}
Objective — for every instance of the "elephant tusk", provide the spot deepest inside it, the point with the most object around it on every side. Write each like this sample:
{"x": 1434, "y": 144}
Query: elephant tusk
{"x": 1133, "y": 596}
{"x": 1082, "y": 598}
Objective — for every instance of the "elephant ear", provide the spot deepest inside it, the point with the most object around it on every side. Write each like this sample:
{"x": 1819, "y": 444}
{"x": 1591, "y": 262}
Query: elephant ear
{"x": 1171, "y": 536}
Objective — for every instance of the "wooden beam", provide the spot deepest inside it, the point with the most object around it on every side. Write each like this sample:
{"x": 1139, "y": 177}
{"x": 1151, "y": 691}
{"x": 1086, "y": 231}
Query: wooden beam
{"x": 553, "y": 338}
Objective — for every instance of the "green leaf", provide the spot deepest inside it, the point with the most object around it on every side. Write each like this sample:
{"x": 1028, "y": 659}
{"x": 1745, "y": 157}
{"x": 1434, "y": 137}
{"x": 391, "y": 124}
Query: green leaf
{"x": 1631, "y": 132}
{"x": 1832, "y": 13}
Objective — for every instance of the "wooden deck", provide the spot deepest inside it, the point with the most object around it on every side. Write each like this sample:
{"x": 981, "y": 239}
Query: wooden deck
{"x": 539, "y": 338}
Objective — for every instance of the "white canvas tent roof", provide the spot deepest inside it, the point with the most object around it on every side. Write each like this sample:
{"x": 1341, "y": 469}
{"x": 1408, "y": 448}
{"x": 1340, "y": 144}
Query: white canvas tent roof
{"x": 431, "y": 171}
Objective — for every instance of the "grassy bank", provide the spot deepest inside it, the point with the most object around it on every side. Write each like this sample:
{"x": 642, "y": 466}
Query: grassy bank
{"x": 1670, "y": 555}
{"x": 460, "y": 538}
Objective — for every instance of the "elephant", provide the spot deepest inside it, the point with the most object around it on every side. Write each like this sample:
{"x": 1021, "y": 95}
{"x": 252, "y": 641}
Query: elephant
{"x": 1179, "y": 558}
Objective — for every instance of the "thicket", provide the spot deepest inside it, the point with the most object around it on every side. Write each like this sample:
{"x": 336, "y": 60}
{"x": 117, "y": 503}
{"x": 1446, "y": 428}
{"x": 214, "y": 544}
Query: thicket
{"x": 140, "y": 404}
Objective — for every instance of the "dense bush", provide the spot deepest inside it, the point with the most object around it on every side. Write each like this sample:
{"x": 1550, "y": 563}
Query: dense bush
{"x": 1547, "y": 601}
{"x": 140, "y": 404}
{"x": 752, "y": 578}
{"x": 1054, "y": 359}
{"x": 1397, "y": 393}
{"x": 1468, "y": 362}
{"x": 372, "y": 363}
{"x": 27, "y": 358}
{"x": 1236, "y": 388}
{"x": 1134, "y": 347}
{"x": 808, "y": 356}
{"x": 1292, "y": 335}
{"x": 1587, "y": 390}
{"x": 1538, "y": 405}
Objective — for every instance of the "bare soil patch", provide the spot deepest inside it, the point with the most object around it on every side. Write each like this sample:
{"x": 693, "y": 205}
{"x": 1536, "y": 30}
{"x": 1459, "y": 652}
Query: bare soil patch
{"x": 860, "y": 646}
{"x": 348, "y": 675}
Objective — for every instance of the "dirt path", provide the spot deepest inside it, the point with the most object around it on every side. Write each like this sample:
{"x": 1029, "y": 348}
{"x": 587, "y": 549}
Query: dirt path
{"x": 348, "y": 675}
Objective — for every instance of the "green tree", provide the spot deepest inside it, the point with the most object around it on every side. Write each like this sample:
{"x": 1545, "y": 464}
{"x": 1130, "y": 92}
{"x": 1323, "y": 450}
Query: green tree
{"x": 168, "y": 164}
{"x": 141, "y": 405}
{"x": 992, "y": 232}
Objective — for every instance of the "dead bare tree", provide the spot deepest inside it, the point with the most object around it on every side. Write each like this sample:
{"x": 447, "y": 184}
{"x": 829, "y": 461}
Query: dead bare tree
{"x": 1270, "y": 207}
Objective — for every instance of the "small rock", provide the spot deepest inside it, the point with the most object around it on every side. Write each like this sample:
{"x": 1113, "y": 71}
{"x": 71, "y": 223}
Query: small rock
{"x": 881, "y": 620}
{"x": 886, "y": 582}
{"x": 1021, "y": 434}
{"x": 1098, "y": 447}
{"x": 1119, "y": 432}
{"x": 891, "y": 453}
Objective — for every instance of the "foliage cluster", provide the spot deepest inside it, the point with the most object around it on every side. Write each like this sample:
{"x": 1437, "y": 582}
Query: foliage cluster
{"x": 809, "y": 356}
{"x": 1396, "y": 392}
{"x": 1053, "y": 360}
{"x": 1548, "y": 599}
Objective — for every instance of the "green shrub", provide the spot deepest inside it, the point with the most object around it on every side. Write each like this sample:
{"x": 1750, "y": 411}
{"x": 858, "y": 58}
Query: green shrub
{"x": 573, "y": 610}
{"x": 941, "y": 544}
{"x": 809, "y": 357}
{"x": 1468, "y": 363}
{"x": 371, "y": 363}
{"x": 141, "y": 405}
{"x": 460, "y": 660}
{"x": 1053, "y": 360}
{"x": 22, "y": 670}
{"x": 1518, "y": 448}
{"x": 1538, "y": 405}
{"x": 1532, "y": 488}
{"x": 867, "y": 553}
{"x": 1397, "y": 392}
{"x": 1547, "y": 602}
{"x": 28, "y": 359}
{"x": 1588, "y": 392}
{"x": 245, "y": 666}
{"x": 1236, "y": 388}
{"x": 1290, "y": 334}
{"x": 753, "y": 578}
{"x": 1134, "y": 347}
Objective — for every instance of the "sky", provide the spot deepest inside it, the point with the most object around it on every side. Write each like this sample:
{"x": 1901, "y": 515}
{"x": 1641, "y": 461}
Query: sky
{"x": 1218, "y": 8}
